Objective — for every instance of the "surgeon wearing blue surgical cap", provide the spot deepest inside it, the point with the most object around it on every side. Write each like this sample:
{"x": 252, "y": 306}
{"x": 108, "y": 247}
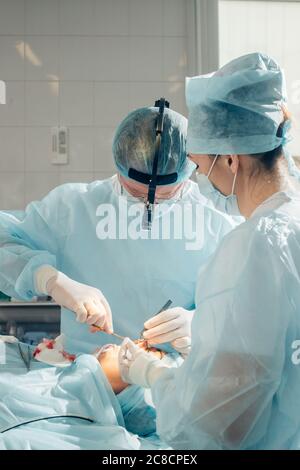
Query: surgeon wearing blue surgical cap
{"x": 239, "y": 386}
{"x": 83, "y": 244}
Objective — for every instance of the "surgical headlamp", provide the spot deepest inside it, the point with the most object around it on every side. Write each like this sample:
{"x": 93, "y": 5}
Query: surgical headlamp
{"x": 154, "y": 179}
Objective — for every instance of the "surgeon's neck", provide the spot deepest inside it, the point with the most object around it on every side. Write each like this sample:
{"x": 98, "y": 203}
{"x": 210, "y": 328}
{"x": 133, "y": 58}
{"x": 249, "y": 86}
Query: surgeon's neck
{"x": 253, "y": 191}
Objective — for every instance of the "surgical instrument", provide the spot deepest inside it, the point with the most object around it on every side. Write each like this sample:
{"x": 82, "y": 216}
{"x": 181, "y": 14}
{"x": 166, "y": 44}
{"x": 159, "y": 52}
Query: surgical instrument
{"x": 165, "y": 307}
{"x": 112, "y": 334}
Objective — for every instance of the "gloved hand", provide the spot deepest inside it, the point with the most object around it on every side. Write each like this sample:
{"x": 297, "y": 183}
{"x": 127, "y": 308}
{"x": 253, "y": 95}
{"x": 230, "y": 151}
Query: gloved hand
{"x": 138, "y": 366}
{"x": 171, "y": 326}
{"x": 88, "y": 303}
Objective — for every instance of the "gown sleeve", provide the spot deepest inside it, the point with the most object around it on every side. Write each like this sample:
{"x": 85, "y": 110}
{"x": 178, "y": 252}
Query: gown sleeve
{"x": 31, "y": 241}
{"x": 221, "y": 397}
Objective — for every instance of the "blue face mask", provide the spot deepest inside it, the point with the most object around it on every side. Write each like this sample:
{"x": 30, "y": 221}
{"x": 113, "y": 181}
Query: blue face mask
{"x": 226, "y": 204}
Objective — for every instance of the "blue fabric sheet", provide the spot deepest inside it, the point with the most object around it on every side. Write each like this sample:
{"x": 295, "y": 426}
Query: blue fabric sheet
{"x": 80, "y": 389}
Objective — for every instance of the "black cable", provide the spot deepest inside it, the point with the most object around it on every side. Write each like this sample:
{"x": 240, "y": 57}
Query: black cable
{"x": 44, "y": 418}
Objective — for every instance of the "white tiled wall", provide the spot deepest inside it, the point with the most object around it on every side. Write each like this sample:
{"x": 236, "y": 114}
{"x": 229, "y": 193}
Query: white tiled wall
{"x": 271, "y": 27}
{"x": 83, "y": 64}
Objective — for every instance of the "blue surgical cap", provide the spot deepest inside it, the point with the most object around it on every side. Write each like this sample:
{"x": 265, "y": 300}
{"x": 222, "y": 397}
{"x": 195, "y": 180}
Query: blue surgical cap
{"x": 238, "y": 109}
{"x": 134, "y": 144}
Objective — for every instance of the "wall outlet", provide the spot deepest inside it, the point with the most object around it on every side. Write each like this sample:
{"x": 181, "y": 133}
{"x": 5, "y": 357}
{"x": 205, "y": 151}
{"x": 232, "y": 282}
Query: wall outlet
{"x": 60, "y": 145}
{"x": 2, "y": 92}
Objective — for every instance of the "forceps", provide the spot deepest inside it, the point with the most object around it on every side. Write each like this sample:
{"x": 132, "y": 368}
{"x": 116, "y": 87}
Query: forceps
{"x": 164, "y": 307}
{"x": 26, "y": 357}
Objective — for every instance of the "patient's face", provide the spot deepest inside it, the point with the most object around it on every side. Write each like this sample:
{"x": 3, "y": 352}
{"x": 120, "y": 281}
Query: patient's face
{"x": 108, "y": 358}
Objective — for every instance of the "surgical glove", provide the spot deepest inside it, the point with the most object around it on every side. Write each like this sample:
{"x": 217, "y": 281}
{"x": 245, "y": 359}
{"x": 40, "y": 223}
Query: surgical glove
{"x": 88, "y": 303}
{"x": 171, "y": 326}
{"x": 138, "y": 366}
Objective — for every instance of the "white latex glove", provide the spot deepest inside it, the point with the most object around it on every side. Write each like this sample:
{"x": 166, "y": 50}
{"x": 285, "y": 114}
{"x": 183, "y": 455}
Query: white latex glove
{"x": 138, "y": 366}
{"x": 171, "y": 326}
{"x": 88, "y": 303}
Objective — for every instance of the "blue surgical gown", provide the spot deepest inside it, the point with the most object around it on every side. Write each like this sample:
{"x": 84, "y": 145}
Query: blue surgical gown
{"x": 137, "y": 276}
{"x": 240, "y": 386}
{"x": 124, "y": 421}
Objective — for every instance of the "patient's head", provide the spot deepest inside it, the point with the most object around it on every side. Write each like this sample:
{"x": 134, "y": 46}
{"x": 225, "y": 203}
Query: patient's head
{"x": 108, "y": 359}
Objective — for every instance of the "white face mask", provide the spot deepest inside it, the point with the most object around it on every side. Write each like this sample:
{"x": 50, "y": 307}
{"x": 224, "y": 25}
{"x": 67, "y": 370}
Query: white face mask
{"x": 227, "y": 204}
